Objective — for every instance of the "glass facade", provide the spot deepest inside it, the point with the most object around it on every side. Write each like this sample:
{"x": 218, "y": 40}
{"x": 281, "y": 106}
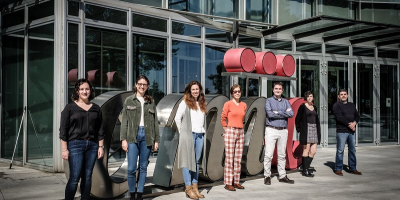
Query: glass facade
{"x": 172, "y": 50}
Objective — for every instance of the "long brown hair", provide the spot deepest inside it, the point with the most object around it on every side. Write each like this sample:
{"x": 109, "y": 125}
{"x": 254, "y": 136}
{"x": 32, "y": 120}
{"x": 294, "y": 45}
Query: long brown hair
{"x": 189, "y": 99}
{"x": 75, "y": 93}
{"x": 147, "y": 96}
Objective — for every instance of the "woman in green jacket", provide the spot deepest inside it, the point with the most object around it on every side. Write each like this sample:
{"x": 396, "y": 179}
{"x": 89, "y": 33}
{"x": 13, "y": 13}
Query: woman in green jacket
{"x": 139, "y": 132}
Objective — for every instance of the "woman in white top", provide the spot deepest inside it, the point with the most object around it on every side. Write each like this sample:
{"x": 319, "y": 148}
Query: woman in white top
{"x": 190, "y": 123}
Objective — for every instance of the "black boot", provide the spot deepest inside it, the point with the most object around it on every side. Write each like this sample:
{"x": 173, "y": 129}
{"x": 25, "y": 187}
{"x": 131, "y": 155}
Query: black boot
{"x": 305, "y": 168}
{"x": 132, "y": 196}
{"x": 310, "y": 170}
{"x": 139, "y": 196}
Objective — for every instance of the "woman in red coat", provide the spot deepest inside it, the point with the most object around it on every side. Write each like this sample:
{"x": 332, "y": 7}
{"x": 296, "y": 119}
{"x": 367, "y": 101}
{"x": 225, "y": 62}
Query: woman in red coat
{"x": 307, "y": 123}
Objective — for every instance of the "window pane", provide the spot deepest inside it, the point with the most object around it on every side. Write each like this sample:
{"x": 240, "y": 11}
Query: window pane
{"x": 41, "y": 10}
{"x": 157, "y": 3}
{"x": 387, "y": 53}
{"x": 381, "y": 13}
{"x": 186, "y": 29}
{"x": 337, "y": 8}
{"x": 150, "y": 59}
{"x": 73, "y": 8}
{"x": 13, "y": 19}
{"x": 342, "y": 50}
{"x": 308, "y": 47}
{"x": 105, "y": 14}
{"x": 40, "y": 100}
{"x": 258, "y": 10}
{"x": 72, "y": 58}
{"x": 278, "y": 45}
{"x": 225, "y": 8}
{"x": 12, "y": 81}
{"x": 249, "y": 41}
{"x": 217, "y": 35}
{"x": 357, "y": 51}
{"x": 152, "y": 23}
{"x": 105, "y": 60}
{"x": 195, "y": 6}
{"x": 215, "y": 83}
{"x": 46, "y": 31}
{"x": 185, "y": 64}
{"x": 292, "y": 10}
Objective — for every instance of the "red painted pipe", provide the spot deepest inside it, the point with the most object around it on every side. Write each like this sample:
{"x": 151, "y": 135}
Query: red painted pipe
{"x": 265, "y": 62}
{"x": 240, "y": 60}
{"x": 294, "y": 150}
{"x": 285, "y": 65}
{"x": 73, "y": 76}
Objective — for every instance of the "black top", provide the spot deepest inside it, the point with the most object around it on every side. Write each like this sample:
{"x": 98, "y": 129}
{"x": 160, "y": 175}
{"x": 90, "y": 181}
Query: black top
{"x": 311, "y": 116}
{"x": 302, "y": 121}
{"x": 344, "y": 114}
{"x": 79, "y": 124}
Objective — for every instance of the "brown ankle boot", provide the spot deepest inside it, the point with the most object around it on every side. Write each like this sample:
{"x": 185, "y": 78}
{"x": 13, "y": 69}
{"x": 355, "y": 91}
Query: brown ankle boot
{"x": 195, "y": 188}
{"x": 190, "y": 193}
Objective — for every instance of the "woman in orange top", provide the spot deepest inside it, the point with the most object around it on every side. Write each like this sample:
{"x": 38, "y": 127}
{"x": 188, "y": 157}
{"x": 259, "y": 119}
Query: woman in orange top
{"x": 233, "y": 112}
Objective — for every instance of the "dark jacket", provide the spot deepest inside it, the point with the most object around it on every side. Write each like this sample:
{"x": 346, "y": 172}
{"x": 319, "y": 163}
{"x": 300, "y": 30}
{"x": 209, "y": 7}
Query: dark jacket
{"x": 344, "y": 114}
{"x": 301, "y": 124}
{"x": 131, "y": 113}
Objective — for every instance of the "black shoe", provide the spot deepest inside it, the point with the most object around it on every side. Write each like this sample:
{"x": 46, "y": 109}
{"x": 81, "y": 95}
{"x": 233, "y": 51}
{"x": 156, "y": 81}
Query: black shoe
{"x": 310, "y": 169}
{"x": 305, "y": 171}
{"x": 267, "y": 180}
{"x": 286, "y": 180}
{"x": 132, "y": 196}
{"x": 139, "y": 196}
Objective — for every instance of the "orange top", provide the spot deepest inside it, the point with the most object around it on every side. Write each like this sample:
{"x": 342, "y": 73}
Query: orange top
{"x": 234, "y": 114}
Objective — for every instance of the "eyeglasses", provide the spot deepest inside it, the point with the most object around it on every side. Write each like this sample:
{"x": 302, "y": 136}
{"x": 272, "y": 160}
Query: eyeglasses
{"x": 141, "y": 85}
{"x": 236, "y": 91}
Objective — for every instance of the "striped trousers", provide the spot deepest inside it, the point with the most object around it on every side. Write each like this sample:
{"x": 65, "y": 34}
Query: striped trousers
{"x": 233, "y": 139}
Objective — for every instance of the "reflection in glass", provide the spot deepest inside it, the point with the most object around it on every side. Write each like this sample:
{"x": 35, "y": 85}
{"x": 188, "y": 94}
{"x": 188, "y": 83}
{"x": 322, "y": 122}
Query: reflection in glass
{"x": 223, "y": 8}
{"x": 309, "y": 79}
{"x": 337, "y": 8}
{"x": 249, "y": 41}
{"x": 278, "y": 44}
{"x": 73, "y": 8}
{"x": 45, "y": 31}
{"x": 105, "y": 59}
{"x": 381, "y": 12}
{"x": 359, "y": 51}
{"x": 217, "y": 35}
{"x": 258, "y": 10}
{"x": 308, "y": 47}
{"x": 294, "y": 10}
{"x": 41, "y": 10}
{"x": 72, "y": 58}
{"x": 40, "y": 100}
{"x": 150, "y": 59}
{"x": 383, "y": 53}
{"x": 12, "y": 81}
{"x": 337, "y": 79}
{"x": 364, "y": 101}
{"x": 215, "y": 83}
{"x": 147, "y": 22}
{"x": 105, "y": 14}
{"x": 334, "y": 49}
{"x": 13, "y": 19}
{"x": 157, "y": 3}
{"x": 186, "y": 29}
{"x": 186, "y": 64}
{"x": 389, "y": 103}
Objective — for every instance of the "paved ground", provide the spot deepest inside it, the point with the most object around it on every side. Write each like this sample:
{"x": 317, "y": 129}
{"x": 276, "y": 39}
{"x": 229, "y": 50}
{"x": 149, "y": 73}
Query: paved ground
{"x": 380, "y": 180}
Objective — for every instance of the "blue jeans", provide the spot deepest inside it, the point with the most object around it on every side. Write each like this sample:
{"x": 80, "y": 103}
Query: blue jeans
{"x": 342, "y": 138}
{"x": 81, "y": 159}
{"x": 143, "y": 151}
{"x": 188, "y": 176}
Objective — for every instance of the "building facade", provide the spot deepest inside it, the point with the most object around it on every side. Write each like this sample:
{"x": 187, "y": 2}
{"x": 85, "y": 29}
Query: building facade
{"x": 47, "y": 45}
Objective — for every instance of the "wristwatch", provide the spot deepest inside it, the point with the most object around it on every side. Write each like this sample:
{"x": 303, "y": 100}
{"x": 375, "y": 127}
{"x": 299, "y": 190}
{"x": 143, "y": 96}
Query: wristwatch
{"x": 101, "y": 147}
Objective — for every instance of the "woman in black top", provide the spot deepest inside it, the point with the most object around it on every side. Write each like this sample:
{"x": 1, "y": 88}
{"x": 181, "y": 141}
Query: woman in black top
{"x": 307, "y": 123}
{"x": 81, "y": 137}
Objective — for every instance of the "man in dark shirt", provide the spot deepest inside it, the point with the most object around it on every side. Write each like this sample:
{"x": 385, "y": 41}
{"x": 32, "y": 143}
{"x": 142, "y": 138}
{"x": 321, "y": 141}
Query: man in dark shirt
{"x": 347, "y": 117}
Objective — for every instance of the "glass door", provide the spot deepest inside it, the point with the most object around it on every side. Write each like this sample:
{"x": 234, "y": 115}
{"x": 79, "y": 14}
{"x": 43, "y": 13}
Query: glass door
{"x": 388, "y": 103}
{"x": 363, "y": 80}
{"x": 309, "y": 78}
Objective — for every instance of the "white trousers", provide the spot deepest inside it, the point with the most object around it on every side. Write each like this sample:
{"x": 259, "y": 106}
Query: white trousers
{"x": 272, "y": 137}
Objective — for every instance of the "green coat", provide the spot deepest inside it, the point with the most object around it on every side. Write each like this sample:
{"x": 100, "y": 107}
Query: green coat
{"x": 131, "y": 113}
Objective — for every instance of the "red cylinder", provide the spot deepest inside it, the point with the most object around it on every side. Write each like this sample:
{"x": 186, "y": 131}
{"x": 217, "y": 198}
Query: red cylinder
{"x": 240, "y": 60}
{"x": 285, "y": 65}
{"x": 265, "y": 62}
{"x": 114, "y": 79}
{"x": 73, "y": 76}
{"x": 96, "y": 77}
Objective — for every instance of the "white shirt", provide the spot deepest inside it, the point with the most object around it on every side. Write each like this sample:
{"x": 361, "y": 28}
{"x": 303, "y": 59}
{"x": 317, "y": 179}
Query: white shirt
{"x": 141, "y": 99}
{"x": 197, "y": 117}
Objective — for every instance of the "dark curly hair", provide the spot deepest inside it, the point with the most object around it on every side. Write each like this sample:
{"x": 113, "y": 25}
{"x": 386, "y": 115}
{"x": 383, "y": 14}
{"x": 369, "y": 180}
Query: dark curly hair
{"x": 147, "y": 96}
{"x": 307, "y": 93}
{"x": 189, "y": 99}
{"x": 75, "y": 93}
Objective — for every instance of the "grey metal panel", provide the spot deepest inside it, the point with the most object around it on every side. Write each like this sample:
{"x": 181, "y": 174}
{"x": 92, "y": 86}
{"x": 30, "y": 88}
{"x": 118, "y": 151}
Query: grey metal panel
{"x": 252, "y": 160}
{"x": 103, "y": 185}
